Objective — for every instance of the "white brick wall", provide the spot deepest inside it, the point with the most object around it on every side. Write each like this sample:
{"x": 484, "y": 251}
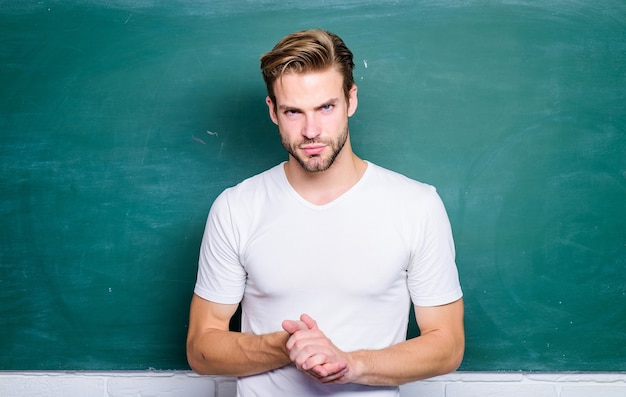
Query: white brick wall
{"x": 187, "y": 384}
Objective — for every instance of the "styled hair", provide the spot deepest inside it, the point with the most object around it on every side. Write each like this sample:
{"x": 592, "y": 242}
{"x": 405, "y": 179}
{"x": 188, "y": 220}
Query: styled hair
{"x": 307, "y": 51}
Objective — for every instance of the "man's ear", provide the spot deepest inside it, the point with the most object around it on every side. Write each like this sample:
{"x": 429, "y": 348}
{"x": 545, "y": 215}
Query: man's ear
{"x": 353, "y": 101}
{"x": 272, "y": 109}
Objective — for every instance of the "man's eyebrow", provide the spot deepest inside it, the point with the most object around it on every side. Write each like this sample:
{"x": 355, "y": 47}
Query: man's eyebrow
{"x": 332, "y": 101}
{"x": 287, "y": 107}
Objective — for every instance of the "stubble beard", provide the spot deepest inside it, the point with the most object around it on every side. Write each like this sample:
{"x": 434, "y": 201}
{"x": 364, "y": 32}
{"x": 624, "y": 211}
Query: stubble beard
{"x": 317, "y": 163}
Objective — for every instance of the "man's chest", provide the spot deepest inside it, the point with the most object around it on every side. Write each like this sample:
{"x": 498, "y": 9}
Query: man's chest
{"x": 355, "y": 253}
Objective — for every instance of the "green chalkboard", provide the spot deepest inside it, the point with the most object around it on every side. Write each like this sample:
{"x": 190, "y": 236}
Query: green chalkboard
{"x": 121, "y": 121}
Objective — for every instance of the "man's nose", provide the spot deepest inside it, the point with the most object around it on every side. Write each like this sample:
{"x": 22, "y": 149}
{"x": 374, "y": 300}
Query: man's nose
{"x": 311, "y": 128}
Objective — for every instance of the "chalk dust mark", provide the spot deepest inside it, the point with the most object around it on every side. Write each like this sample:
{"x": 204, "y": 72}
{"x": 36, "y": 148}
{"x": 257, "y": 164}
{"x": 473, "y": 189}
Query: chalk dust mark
{"x": 128, "y": 19}
{"x": 212, "y": 133}
{"x": 157, "y": 88}
{"x": 195, "y": 138}
{"x": 145, "y": 147}
{"x": 195, "y": 52}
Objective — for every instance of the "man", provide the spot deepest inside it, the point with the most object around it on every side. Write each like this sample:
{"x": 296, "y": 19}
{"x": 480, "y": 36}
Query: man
{"x": 325, "y": 253}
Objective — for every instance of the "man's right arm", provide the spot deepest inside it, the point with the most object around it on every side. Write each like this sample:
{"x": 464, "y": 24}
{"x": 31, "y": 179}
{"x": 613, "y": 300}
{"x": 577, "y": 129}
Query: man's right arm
{"x": 214, "y": 350}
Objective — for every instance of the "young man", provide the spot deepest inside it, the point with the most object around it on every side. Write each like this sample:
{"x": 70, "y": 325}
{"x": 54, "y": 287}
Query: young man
{"x": 325, "y": 253}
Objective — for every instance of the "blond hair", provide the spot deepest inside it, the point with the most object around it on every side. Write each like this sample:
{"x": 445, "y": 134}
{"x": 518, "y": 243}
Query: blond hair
{"x": 307, "y": 51}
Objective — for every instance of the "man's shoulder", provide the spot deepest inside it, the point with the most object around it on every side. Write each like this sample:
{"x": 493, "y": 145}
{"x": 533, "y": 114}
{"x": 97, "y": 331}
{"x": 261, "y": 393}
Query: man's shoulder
{"x": 264, "y": 183}
{"x": 390, "y": 179}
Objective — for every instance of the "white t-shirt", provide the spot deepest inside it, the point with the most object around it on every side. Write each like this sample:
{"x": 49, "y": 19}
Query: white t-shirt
{"x": 354, "y": 265}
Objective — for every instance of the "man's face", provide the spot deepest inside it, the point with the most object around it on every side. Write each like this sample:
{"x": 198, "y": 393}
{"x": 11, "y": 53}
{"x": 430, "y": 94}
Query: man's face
{"x": 312, "y": 116}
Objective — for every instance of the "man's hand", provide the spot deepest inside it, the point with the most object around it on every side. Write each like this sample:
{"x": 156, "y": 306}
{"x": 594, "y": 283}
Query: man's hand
{"x": 314, "y": 353}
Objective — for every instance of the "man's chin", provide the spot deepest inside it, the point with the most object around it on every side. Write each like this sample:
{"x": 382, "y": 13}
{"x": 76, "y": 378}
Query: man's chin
{"x": 315, "y": 164}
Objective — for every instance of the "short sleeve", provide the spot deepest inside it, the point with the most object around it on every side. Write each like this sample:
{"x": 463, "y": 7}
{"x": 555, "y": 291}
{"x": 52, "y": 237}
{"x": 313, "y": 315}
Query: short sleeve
{"x": 221, "y": 277}
{"x": 432, "y": 273}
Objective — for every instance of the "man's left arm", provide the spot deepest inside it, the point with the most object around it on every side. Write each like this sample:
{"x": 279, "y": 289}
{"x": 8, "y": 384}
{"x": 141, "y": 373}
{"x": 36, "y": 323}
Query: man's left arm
{"x": 438, "y": 350}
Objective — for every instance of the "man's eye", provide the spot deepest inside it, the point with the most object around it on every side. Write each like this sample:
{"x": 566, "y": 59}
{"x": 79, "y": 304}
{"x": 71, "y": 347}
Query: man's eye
{"x": 291, "y": 112}
{"x": 327, "y": 107}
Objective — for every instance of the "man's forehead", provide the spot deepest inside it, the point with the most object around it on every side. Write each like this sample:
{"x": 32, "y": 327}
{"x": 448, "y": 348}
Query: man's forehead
{"x": 318, "y": 86}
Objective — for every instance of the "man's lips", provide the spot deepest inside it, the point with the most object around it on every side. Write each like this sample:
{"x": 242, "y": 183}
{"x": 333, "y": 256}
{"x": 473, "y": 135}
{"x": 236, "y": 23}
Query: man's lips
{"x": 313, "y": 150}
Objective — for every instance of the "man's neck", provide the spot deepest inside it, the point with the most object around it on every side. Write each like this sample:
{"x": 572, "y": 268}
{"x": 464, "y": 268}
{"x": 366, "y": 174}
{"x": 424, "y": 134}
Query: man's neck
{"x": 323, "y": 187}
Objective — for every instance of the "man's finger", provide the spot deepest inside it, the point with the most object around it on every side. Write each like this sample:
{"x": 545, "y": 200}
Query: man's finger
{"x": 334, "y": 372}
{"x": 292, "y": 326}
{"x": 308, "y": 320}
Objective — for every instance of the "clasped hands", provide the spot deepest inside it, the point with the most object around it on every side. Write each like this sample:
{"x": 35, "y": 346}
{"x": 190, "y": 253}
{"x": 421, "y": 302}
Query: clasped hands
{"x": 314, "y": 353}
